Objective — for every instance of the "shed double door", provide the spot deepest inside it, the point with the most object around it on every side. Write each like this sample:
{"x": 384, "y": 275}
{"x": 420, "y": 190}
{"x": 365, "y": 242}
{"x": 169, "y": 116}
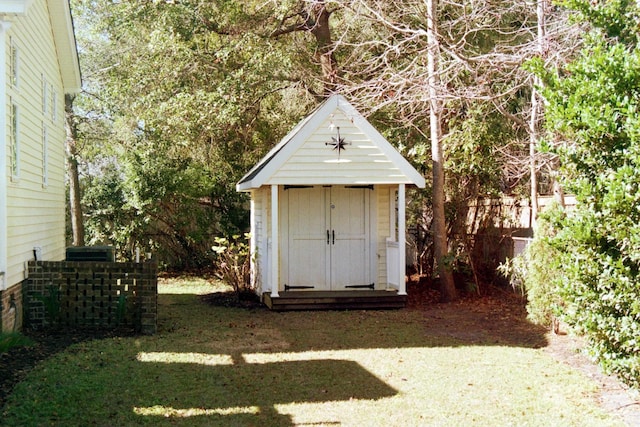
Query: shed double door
{"x": 328, "y": 238}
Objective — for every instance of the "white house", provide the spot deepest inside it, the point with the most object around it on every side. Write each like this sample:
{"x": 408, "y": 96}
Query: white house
{"x": 38, "y": 66}
{"x": 328, "y": 214}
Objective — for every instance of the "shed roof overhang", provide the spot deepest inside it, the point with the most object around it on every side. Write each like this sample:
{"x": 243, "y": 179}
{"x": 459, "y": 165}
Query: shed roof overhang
{"x": 302, "y": 156}
{"x": 65, "y": 40}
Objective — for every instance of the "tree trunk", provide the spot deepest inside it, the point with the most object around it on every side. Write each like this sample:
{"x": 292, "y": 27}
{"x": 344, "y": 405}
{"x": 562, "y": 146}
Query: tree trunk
{"x": 324, "y": 54}
{"x": 314, "y": 18}
{"x": 536, "y": 113}
{"x": 77, "y": 224}
{"x": 447, "y": 285}
{"x": 533, "y": 140}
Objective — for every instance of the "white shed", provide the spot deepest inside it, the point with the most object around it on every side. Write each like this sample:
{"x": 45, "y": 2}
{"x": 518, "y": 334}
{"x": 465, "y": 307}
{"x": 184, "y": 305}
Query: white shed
{"x": 328, "y": 214}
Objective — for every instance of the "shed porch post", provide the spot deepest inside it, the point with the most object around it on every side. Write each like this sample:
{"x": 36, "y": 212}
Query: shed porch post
{"x": 402, "y": 245}
{"x": 275, "y": 244}
{"x": 253, "y": 233}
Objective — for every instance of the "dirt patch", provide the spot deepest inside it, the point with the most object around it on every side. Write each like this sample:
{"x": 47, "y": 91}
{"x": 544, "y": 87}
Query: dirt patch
{"x": 494, "y": 316}
{"x": 245, "y": 299}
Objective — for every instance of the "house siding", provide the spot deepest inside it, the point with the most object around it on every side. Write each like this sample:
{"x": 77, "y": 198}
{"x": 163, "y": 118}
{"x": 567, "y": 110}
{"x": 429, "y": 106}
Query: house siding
{"x": 35, "y": 203}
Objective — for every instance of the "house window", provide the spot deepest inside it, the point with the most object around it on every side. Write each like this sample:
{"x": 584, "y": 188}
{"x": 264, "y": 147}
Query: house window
{"x": 13, "y": 64}
{"x": 14, "y": 142}
{"x": 45, "y": 155}
{"x": 393, "y": 214}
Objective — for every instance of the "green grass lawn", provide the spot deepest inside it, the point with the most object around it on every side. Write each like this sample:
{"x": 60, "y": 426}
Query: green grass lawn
{"x": 237, "y": 367}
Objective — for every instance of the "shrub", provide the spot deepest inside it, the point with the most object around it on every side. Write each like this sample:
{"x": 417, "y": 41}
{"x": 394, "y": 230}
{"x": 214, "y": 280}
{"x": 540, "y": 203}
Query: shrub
{"x": 233, "y": 262}
{"x": 600, "y": 287}
{"x": 535, "y": 272}
{"x": 592, "y": 106}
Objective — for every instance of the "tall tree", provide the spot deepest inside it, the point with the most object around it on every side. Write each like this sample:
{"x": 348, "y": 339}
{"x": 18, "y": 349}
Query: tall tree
{"x": 73, "y": 174}
{"x": 441, "y": 250}
{"x": 536, "y": 112}
{"x": 481, "y": 46}
{"x": 192, "y": 94}
{"x": 443, "y": 58}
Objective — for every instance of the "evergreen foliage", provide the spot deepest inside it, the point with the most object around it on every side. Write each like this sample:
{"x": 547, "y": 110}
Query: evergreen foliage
{"x": 180, "y": 100}
{"x": 593, "y": 105}
{"x": 535, "y": 271}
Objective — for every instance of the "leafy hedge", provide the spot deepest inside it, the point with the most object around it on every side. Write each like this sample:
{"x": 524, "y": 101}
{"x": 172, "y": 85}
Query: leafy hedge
{"x": 593, "y": 106}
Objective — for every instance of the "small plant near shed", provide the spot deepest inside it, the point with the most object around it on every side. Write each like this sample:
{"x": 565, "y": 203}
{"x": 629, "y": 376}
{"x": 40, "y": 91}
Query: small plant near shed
{"x": 233, "y": 262}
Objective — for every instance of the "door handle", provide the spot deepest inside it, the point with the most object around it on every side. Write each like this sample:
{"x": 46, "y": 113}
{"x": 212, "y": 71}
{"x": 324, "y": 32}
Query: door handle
{"x": 333, "y": 236}
{"x": 327, "y": 237}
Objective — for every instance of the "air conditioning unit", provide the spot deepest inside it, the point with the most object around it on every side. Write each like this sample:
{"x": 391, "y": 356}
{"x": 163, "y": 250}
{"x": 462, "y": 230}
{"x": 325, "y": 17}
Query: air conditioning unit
{"x": 90, "y": 253}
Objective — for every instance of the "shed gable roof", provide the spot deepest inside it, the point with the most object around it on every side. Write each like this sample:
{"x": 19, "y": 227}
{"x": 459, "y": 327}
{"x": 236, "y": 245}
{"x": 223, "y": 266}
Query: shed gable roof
{"x": 305, "y": 155}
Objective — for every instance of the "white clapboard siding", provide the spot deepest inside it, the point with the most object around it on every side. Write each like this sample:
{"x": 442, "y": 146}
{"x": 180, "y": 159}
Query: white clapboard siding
{"x": 383, "y": 229}
{"x": 35, "y": 206}
{"x": 315, "y": 162}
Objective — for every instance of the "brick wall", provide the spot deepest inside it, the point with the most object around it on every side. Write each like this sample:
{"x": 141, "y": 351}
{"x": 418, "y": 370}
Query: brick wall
{"x": 95, "y": 295}
{"x": 11, "y": 309}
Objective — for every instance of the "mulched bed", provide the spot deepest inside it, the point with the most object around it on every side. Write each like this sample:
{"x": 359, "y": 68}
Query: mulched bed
{"x": 18, "y": 361}
{"x": 246, "y": 299}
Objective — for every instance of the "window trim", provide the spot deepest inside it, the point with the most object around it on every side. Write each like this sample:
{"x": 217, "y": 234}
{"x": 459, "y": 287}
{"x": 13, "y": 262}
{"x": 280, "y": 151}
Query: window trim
{"x": 14, "y": 138}
{"x": 14, "y": 64}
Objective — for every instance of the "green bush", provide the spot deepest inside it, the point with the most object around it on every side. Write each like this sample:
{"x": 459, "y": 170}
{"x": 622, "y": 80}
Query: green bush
{"x": 534, "y": 272}
{"x": 600, "y": 288}
{"x": 593, "y": 106}
{"x": 233, "y": 262}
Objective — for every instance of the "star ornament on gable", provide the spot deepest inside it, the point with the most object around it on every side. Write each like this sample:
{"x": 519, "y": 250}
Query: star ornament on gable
{"x": 338, "y": 143}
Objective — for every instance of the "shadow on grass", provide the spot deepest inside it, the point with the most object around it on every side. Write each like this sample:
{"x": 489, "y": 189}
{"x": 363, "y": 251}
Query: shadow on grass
{"x": 246, "y": 394}
{"x": 487, "y": 321}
